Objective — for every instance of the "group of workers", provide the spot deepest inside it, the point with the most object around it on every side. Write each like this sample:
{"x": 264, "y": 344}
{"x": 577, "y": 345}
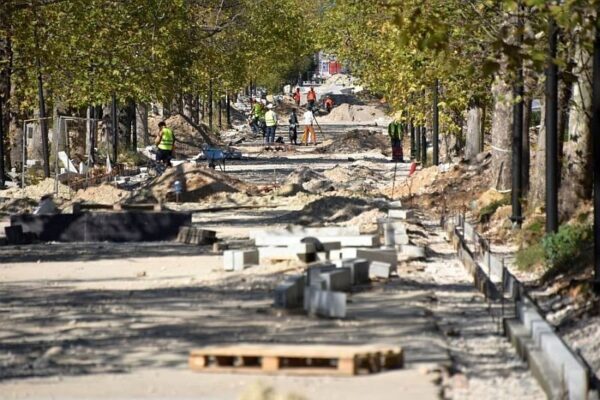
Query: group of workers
{"x": 264, "y": 119}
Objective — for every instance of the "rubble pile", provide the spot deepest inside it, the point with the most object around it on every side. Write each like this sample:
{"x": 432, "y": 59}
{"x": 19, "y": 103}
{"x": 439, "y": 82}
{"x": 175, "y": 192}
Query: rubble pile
{"x": 358, "y": 140}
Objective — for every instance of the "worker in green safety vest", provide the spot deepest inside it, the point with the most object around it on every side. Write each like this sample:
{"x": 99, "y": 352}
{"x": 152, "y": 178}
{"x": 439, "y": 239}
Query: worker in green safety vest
{"x": 395, "y": 131}
{"x": 165, "y": 141}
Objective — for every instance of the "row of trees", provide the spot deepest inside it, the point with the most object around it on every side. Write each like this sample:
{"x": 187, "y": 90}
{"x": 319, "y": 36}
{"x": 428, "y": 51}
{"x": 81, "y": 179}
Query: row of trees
{"x": 75, "y": 54}
{"x": 490, "y": 58}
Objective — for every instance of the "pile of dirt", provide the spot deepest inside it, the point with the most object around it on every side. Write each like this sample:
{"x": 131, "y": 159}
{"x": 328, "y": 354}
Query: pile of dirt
{"x": 38, "y": 190}
{"x": 17, "y": 206}
{"x": 366, "y": 221}
{"x": 189, "y": 139}
{"x": 353, "y": 113}
{"x": 357, "y": 140}
{"x": 103, "y": 194}
{"x": 305, "y": 179}
{"x": 197, "y": 183}
{"x": 443, "y": 188}
{"x": 329, "y": 209}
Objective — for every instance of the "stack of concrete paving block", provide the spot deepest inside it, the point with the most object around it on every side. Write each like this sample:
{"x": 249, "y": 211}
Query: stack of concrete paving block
{"x": 337, "y": 280}
{"x": 400, "y": 233}
{"x": 324, "y": 303}
{"x": 359, "y": 268}
{"x": 314, "y": 271}
{"x": 379, "y": 269}
{"x": 238, "y": 260}
{"x": 389, "y": 256}
{"x": 192, "y": 235}
{"x": 292, "y": 251}
{"x": 290, "y": 293}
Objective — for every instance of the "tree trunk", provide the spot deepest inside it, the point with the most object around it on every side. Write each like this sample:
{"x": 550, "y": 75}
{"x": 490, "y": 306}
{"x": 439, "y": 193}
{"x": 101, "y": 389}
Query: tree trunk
{"x": 537, "y": 188}
{"x": 141, "y": 122}
{"x": 502, "y": 126}
{"x": 474, "y": 133}
{"x": 525, "y": 168}
{"x": 188, "y": 105}
{"x": 577, "y": 174}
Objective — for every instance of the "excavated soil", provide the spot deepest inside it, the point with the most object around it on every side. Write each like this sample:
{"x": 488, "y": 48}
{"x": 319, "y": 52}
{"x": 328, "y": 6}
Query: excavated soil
{"x": 353, "y": 113}
{"x": 35, "y": 192}
{"x": 330, "y": 209}
{"x": 198, "y": 183}
{"x": 103, "y": 194}
{"x": 357, "y": 140}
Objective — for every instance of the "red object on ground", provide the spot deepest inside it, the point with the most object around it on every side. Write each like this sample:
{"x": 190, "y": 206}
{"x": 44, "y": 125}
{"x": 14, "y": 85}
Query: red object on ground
{"x": 413, "y": 168}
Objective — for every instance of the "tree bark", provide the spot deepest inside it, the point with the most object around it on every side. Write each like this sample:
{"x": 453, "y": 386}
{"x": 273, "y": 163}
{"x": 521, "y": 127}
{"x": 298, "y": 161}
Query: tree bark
{"x": 577, "y": 173}
{"x": 474, "y": 133}
{"x": 502, "y": 126}
{"x": 537, "y": 188}
{"x": 525, "y": 168}
{"x": 141, "y": 122}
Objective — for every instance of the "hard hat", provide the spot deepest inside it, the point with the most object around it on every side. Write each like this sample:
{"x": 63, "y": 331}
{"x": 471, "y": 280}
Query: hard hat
{"x": 269, "y": 106}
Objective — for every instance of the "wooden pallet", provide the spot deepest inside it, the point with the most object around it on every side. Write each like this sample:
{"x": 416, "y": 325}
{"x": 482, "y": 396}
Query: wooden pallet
{"x": 345, "y": 360}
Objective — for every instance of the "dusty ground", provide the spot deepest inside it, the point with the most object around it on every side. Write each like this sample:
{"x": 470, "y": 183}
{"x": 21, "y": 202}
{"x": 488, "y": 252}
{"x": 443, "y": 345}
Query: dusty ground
{"x": 118, "y": 320}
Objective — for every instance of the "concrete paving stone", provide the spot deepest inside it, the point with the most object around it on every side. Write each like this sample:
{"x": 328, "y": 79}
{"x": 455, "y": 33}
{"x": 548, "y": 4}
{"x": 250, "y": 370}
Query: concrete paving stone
{"x": 412, "y": 251}
{"x": 395, "y": 205}
{"x": 324, "y": 303}
{"x": 384, "y": 255}
{"x": 338, "y": 279}
{"x": 237, "y": 260}
{"x": 401, "y": 214}
{"x": 359, "y": 268}
{"x": 378, "y": 269}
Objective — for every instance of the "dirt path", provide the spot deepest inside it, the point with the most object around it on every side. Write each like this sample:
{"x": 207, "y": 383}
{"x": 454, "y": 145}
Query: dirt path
{"x": 122, "y": 327}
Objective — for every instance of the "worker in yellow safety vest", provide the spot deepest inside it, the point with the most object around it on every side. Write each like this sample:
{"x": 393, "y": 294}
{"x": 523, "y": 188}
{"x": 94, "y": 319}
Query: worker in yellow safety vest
{"x": 165, "y": 141}
{"x": 271, "y": 123}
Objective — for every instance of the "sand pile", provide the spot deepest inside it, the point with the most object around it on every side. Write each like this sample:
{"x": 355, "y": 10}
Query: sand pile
{"x": 198, "y": 182}
{"x": 18, "y": 205}
{"x": 353, "y": 113}
{"x": 103, "y": 194}
{"x": 37, "y": 191}
{"x": 357, "y": 140}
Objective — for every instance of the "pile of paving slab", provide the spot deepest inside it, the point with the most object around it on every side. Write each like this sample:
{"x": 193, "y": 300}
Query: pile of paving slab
{"x": 337, "y": 258}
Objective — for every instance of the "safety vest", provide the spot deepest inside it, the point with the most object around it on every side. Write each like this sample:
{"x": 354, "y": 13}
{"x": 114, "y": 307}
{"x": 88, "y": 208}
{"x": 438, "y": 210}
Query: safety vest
{"x": 270, "y": 118}
{"x": 395, "y": 130}
{"x": 311, "y": 95}
{"x": 166, "y": 140}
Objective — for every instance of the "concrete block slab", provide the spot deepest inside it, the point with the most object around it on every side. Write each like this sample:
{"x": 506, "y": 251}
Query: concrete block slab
{"x": 395, "y": 205}
{"x": 338, "y": 279}
{"x": 329, "y": 246}
{"x": 335, "y": 255}
{"x": 197, "y": 236}
{"x": 314, "y": 270}
{"x": 378, "y": 269}
{"x": 359, "y": 268}
{"x": 401, "y": 214}
{"x": 325, "y": 303}
{"x": 282, "y": 240}
{"x": 237, "y": 260}
{"x": 411, "y": 251}
{"x": 384, "y": 255}
{"x": 290, "y": 293}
